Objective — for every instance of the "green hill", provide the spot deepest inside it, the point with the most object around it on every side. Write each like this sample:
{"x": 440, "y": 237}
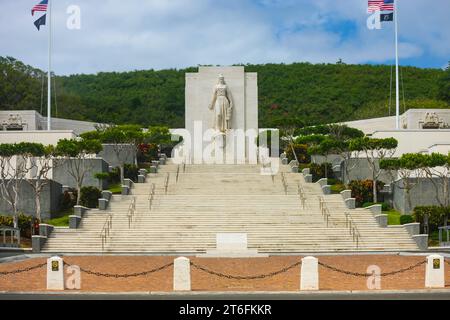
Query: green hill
{"x": 313, "y": 93}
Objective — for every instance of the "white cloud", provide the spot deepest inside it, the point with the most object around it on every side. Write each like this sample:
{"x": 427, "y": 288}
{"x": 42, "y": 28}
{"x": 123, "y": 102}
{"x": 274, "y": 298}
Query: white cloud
{"x": 136, "y": 34}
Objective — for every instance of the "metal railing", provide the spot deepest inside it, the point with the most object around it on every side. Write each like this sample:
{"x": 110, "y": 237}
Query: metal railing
{"x": 302, "y": 195}
{"x": 353, "y": 229}
{"x": 349, "y": 223}
{"x": 285, "y": 185}
{"x": 131, "y": 212}
{"x": 106, "y": 231}
{"x": 151, "y": 197}
{"x": 14, "y": 234}
{"x": 166, "y": 183}
{"x": 178, "y": 173}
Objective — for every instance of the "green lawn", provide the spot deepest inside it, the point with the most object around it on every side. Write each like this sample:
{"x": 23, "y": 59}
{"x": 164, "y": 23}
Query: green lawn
{"x": 115, "y": 188}
{"x": 393, "y": 217}
{"x": 60, "y": 219}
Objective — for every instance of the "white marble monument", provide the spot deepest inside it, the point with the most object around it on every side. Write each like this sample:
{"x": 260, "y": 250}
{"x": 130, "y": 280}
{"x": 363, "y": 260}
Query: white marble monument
{"x": 221, "y": 101}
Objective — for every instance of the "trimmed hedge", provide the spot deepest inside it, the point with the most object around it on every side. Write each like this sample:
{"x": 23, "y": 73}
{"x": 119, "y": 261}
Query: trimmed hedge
{"x": 406, "y": 219}
{"x": 89, "y": 197}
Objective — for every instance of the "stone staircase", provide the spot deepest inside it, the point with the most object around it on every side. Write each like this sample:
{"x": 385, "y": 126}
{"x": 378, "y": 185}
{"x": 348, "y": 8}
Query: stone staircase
{"x": 203, "y": 200}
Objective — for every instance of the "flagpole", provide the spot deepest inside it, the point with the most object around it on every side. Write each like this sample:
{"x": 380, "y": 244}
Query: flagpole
{"x": 49, "y": 92}
{"x": 397, "y": 86}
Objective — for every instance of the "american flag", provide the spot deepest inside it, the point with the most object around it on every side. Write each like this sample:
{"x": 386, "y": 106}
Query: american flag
{"x": 380, "y": 5}
{"x": 42, "y": 6}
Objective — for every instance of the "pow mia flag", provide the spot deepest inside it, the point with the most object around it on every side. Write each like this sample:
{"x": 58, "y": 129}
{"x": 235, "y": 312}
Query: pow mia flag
{"x": 40, "y": 22}
{"x": 387, "y": 17}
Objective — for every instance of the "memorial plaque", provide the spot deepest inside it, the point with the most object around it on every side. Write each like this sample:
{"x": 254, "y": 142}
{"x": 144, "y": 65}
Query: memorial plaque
{"x": 55, "y": 265}
{"x": 436, "y": 264}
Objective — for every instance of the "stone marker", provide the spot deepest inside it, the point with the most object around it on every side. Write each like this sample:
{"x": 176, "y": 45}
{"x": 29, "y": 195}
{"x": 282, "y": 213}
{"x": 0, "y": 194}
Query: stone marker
{"x": 435, "y": 276}
{"x": 231, "y": 241}
{"x": 182, "y": 274}
{"x": 55, "y": 273}
{"x": 309, "y": 278}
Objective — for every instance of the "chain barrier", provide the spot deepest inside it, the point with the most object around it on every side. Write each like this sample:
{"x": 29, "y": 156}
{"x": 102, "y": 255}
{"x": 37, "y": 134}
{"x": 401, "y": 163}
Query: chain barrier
{"x": 365, "y": 275}
{"x": 258, "y": 277}
{"x": 117, "y": 276}
{"x": 5, "y": 273}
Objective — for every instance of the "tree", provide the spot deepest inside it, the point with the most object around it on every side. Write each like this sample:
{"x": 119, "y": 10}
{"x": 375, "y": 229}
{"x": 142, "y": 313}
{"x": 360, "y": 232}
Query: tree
{"x": 14, "y": 166}
{"x": 42, "y": 162}
{"x": 436, "y": 168}
{"x": 325, "y": 148}
{"x": 375, "y": 150}
{"x": 444, "y": 85}
{"x": 407, "y": 167}
{"x": 76, "y": 154}
{"x": 121, "y": 138}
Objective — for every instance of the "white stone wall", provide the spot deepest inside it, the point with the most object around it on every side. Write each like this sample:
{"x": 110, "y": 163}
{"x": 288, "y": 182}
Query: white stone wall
{"x": 44, "y": 137}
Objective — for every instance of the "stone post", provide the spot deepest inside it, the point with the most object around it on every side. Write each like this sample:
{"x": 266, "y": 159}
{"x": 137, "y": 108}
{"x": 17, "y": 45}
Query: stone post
{"x": 182, "y": 274}
{"x": 55, "y": 273}
{"x": 309, "y": 277}
{"x": 435, "y": 272}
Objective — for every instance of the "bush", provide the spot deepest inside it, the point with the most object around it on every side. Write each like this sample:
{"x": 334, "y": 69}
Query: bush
{"x": 131, "y": 172}
{"x": 147, "y": 152}
{"x": 24, "y": 224}
{"x": 318, "y": 171}
{"x": 384, "y": 206}
{"x": 436, "y": 216}
{"x": 406, "y": 219}
{"x": 337, "y": 188}
{"x": 68, "y": 199}
{"x": 89, "y": 197}
{"x": 301, "y": 150}
{"x": 362, "y": 190}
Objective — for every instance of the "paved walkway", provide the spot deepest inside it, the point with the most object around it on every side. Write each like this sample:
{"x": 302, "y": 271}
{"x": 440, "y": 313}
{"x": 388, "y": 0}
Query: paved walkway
{"x": 35, "y": 280}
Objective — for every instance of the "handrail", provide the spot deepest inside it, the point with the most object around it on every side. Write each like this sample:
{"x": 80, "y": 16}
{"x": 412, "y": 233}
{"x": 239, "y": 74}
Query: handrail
{"x": 131, "y": 212}
{"x": 349, "y": 223}
{"x": 184, "y": 167}
{"x": 166, "y": 183}
{"x": 151, "y": 197}
{"x": 283, "y": 180}
{"x": 293, "y": 151}
{"x": 105, "y": 233}
{"x": 301, "y": 193}
{"x": 178, "y": 172}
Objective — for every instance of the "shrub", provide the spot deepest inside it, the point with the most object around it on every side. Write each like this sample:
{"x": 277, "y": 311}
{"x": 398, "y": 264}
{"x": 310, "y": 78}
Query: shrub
{"x": 131, "y": 171}
{"x": 436, "y": 216}
{"x": 68, "y": 199}
{"x": 337, "y": 188}
{"x": 147, "y": 152}
{"x": 406, "y": 219}
{"x": 102, "y": 176}
{"x": 89, "y": 197}
{"x": 114, "y": 176}
{"x": 384, "y": 206}
{"x": 362, "y": 191}
{"x": 318, "y": 171}
{"x": 301, "y": 150}
{"x": 24, "y": 224}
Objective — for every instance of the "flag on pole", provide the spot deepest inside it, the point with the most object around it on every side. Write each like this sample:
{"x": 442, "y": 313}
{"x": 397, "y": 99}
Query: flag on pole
{"x": 384, "y": 17}
{"x": 40, "y": 22}
{"x": 380, "y": 5}
{"x": 42, "y": 6}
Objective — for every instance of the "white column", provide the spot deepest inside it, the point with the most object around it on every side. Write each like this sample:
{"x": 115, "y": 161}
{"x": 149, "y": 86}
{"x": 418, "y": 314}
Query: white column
{"x": 435, "y": 272}
{"x": 309, "y": 277}
{"x": 55, "y": 273}
{"x": 182, "y": 274}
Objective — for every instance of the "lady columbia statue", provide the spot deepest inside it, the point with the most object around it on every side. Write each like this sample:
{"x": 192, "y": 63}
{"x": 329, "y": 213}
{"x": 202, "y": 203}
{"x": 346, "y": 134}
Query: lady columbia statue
{"x": 222, "y": 105}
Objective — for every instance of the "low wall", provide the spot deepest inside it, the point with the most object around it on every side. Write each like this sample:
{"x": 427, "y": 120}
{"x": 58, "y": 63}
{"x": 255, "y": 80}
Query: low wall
{"x": 50, "y": 199}
{"x": 94, "y": 166}
{"x": 422, "y": 194}
{"x": 109, "y": 155}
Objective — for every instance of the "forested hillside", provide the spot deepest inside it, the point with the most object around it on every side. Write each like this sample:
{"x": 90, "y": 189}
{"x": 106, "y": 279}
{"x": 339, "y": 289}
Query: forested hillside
{"x": 314, "y": 94}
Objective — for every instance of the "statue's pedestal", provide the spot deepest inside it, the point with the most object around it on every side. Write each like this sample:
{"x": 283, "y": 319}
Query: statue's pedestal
{"x": 199, "y": 119}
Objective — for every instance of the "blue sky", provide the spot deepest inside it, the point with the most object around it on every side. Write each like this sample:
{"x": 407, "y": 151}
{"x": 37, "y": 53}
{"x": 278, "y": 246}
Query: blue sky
{"x": 156, "y": 34}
